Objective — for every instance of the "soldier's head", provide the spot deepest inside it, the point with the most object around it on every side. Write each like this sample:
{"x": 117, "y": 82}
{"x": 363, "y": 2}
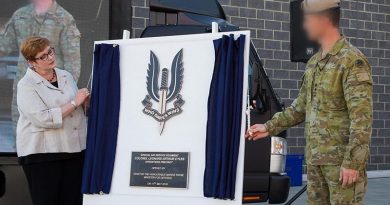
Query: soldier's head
{"x": 320, "y": 16}
{"x": 41, "y": 1}
{"x": 38, "y": 53}
{"x": 41, "y": 6}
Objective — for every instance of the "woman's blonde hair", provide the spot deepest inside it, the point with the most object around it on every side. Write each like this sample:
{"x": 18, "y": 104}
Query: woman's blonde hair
{"x": 32, "y": 46}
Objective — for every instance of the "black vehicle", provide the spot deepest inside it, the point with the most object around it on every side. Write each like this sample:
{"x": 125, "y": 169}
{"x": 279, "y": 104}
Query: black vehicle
{"x": 264, "y": 174}
{"x": 264, "y": 178}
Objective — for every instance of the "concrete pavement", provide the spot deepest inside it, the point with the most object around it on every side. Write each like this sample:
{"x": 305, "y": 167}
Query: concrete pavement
{"x": 378, "y": 193}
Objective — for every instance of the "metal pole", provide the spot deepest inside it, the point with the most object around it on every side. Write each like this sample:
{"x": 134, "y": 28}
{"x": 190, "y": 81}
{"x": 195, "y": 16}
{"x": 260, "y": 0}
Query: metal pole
{"x": 214, "y": 27}
{"x": 126, "y": 34}
{"x": 296, "y": 196}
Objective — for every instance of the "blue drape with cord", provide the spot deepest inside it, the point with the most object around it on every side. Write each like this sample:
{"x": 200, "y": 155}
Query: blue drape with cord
{"x": 224, "y": 118}
{"x": 103, "y": 121}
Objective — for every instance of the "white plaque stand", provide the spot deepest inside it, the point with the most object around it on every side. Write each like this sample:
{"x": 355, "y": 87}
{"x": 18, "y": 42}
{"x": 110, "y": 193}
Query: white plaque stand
{"x": 185, "y": 132}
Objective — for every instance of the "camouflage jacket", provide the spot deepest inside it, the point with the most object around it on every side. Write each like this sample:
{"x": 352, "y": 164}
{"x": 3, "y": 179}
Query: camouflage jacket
{"x": 56, "y": 24}
{"x": 335, "y": 102}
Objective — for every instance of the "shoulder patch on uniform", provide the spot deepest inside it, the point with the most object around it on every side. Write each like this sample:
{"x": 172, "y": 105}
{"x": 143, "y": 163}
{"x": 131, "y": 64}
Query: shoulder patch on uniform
{"x": 359, "y": 63}
{"x": 362, "y": 77}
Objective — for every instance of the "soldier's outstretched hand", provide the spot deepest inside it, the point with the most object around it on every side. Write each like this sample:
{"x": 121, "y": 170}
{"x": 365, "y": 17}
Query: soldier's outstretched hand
{"x": 257, "y": 132}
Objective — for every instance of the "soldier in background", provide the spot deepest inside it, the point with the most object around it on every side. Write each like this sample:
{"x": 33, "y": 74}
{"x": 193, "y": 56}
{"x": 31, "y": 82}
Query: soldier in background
{"x": 335, "y": 102}
{"x": 47, "y": 19}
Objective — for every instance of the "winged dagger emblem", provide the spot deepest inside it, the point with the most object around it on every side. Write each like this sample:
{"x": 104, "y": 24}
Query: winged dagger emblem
{"x": 162, "y": 93}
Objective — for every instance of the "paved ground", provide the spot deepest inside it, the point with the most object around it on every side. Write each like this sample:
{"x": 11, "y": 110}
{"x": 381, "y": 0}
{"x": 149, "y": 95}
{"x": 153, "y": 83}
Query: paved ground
{"x": 378, "y": 193}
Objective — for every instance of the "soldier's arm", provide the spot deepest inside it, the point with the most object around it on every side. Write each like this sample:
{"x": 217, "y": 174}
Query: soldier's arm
{"x": 291, "y": 116}
{"x": 70, "y": 47}
{"x": 357, "y": 85}
{"x": 8, "y": 40}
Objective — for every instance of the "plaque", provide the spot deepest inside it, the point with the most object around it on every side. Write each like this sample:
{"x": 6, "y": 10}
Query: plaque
{"x": 159, "y": 169}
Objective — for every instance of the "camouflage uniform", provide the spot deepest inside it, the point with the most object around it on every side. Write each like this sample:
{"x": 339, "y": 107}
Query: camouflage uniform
{"x": 335, "y": 102}
{"x": 57, "y": 25}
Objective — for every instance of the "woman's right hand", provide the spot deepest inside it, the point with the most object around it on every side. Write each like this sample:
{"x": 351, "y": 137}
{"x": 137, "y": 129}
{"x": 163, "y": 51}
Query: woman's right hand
{"x": 81, "y": 96}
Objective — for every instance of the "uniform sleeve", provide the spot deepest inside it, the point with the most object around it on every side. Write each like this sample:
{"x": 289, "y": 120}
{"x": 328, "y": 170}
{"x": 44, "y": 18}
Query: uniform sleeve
{"x": 8, "y": 42}
{"x": 291, "y": 116}
{"x": 32, "y": 106}
{"x": 357, "y": 85}
{"x": 70, "y": 47}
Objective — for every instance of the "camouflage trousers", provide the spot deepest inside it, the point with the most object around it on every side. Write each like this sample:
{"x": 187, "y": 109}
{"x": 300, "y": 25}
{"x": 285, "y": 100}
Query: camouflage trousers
{"x": 324, "y": 188}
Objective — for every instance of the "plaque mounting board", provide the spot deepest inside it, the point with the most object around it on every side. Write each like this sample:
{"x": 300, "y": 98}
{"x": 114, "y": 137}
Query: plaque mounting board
{"x": 182, "y": 133}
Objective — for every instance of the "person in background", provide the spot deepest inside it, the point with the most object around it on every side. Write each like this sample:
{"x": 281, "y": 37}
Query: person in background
{"x": 48, "y": 19}
{"x": 335, "y": 102}
{"x": 51, "y": 130}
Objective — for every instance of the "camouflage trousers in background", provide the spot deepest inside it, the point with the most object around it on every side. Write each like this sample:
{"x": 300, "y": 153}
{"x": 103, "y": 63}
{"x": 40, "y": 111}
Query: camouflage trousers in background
{"x": 324, "y": 188}
{"x": 14, "y": 109}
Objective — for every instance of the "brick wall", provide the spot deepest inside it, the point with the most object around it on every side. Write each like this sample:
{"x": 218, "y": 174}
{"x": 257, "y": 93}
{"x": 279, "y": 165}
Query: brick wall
{"x": 365, "y": 22}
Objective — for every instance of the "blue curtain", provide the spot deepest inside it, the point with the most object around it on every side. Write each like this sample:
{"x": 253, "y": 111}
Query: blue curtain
{"x": 224, "y": 118}
{"x": 103, "y": 121}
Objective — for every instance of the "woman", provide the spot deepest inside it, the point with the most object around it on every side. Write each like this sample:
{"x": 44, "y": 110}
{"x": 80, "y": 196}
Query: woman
{"x": 51, "y": 131}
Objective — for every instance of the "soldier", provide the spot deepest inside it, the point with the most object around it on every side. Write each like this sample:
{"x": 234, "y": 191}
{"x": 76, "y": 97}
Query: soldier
{"x": 47, "y": 19}
{"x": 335, "y": 102}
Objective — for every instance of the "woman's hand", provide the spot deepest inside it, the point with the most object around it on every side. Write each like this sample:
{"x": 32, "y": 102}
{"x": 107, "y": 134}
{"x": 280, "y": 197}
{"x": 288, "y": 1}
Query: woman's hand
{"x": 81, "y": 96}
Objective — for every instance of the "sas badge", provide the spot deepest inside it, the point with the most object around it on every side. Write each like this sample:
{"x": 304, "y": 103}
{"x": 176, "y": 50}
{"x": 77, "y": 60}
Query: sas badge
{"x": 162, "y": 93}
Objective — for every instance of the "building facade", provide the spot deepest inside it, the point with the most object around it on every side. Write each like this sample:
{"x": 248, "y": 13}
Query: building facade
{"x": 366, "y": 23}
